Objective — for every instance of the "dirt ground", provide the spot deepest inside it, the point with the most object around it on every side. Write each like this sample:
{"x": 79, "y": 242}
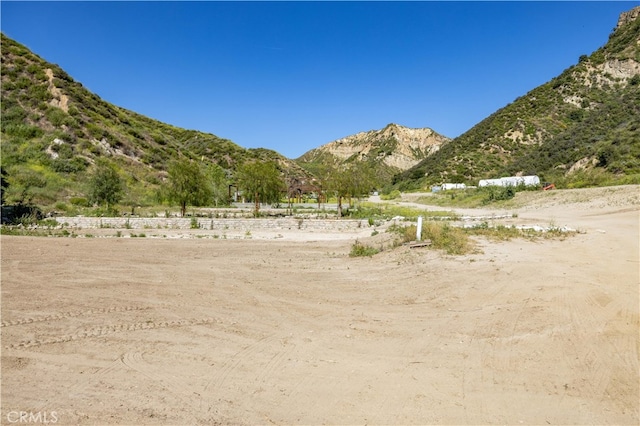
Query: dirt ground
{"x": 291, "y": 330}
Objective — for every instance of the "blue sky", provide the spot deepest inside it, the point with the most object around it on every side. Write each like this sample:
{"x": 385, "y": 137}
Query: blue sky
{"x": 292, "y": 76}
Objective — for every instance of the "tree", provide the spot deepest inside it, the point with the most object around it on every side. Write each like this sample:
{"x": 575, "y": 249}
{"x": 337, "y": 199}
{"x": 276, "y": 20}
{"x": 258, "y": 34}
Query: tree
{"x": 261, "y": 182}
{"x": 188, "y": 184}
{"x": 338, "y": 182}
{"x": 350, "y": 181}
{"x": 364, "y": 180}
{"x": 105, "y": 185}
{"x": 219, "y": 182}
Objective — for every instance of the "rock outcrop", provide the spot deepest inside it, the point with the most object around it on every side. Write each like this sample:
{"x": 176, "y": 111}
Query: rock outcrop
{"x": 395, "y": 146}
{"x": 627, "y": 17}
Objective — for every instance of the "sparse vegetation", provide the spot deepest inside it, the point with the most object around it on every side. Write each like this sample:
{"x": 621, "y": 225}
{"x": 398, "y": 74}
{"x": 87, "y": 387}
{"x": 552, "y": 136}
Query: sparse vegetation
{"x": 194, "y": 223}
{"x": 495, "y": 233}
{"x": 456, "y": 240}
{"x": 475, "y": 197}
{"x": 443, "y": 236}
{"x": 360, "y": 250}
{"x": 384, "y": 211}
{"x": 393, "y": 195}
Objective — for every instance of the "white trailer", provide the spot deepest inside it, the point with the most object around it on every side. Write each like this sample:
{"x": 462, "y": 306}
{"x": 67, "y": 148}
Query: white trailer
{"x": 447, "y": 186}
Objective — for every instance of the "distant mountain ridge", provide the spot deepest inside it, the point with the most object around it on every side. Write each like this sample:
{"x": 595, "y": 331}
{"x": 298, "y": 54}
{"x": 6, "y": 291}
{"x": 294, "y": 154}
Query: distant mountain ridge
{"x": 389, "y": 150}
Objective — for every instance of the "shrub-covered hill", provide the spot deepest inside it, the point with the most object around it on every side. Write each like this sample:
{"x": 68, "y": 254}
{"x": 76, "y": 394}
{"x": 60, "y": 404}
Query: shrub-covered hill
{"x": 53, "y": 131}
{"x": 580, "y": 128}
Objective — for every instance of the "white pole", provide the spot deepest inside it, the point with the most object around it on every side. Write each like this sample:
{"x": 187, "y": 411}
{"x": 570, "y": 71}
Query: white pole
{"x": 419, "y": 230}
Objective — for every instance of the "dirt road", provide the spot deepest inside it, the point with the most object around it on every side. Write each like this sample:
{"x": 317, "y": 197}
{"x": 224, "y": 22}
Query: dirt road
{"x": 287, "y": 331}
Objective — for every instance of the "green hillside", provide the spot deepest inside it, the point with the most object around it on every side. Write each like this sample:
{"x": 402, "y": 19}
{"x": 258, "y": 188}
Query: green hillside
{"x": 581, "y": 128}
{"x": 54, "y": 131}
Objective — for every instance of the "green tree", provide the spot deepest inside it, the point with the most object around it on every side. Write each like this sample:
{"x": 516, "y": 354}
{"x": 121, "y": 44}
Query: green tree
{"x": 261, "y": 182}
{"x": 364, "y": 180}
{"x": 219, "y": 182}
{"x": 105, "y": 185}
{"x": 352, "y": 181}
{"x": 338, "y": 183}
{"x": 188, "y": 184}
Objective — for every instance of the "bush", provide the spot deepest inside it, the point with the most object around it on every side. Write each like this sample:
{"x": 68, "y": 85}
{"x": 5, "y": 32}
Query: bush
{"x": 22, "y": 130}
{"x": 194, "y": 223}
{"x": 443, "y": 236}
{"x": 498, "y": 233}
{"x": 12, "y": 113}
{"x": 79, "y": 201}
{"x": 393, "y": 195}
{"x": 359, "y": 250}
{"x": 499, "y": 193}
{"x": 587, "y": 178}
{"x": 74, "y": 165}
{"x": 406, "y": 233}
{"x": 446, "y": 237}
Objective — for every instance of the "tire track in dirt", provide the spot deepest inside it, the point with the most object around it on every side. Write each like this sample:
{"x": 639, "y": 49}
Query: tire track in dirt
{"x": 236, "y": 360}
{"x": 582, "y": 356}
{"x": 274, "y": 364}
{"x": 482, "y": 356}
{"x": 472, "y": 371}
{"x": 135, "y": 361}
{"x": 65, "y": 315}
{"x": 110, "y": 329}
{"x": 79, "y": 388}
{"x": 264, "y": 359}
{"x": 592, "y": 349}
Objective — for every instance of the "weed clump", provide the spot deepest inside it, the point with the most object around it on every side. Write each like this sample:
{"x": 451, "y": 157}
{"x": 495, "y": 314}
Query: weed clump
{"x": 442, "y": 235}
{"x": 360, "y": 250}
{"x": 445, "y": 237}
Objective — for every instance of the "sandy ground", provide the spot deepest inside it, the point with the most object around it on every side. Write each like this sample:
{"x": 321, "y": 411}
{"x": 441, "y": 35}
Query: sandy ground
{"x": 290, "y": 330}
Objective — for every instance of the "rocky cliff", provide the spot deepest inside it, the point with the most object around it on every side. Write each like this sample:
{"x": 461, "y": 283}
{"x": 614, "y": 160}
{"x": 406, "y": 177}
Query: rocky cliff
{"x": 395, "y": 146}
{"x": 628, "y": 17}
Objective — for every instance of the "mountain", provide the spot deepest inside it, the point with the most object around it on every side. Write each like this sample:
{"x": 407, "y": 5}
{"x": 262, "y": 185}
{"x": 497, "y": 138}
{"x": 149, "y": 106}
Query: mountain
{"x": 580, "y": 128}
{"x": 54, "y": 130}
{"x": 388, "y": 151}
